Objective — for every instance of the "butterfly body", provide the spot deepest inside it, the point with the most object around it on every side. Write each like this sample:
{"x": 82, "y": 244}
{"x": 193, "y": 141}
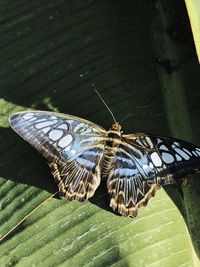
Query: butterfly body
{"x": 112, "y": 142}
{"x": 81, "y": 153}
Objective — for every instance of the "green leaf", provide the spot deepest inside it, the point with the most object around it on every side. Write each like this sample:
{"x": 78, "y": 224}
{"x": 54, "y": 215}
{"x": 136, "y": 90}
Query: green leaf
{"x": 51, "y": 52}
{"x": 193, "y": 8}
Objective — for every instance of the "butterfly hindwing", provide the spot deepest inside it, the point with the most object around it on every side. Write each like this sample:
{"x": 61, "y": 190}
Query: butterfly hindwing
{"x": 127, "y": 182}
{"x": 80, "y": 176}
{"x": 72, "y": 146}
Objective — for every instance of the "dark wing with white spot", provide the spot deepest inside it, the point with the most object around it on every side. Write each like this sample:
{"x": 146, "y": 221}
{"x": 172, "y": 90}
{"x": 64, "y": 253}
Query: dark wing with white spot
{"x": 176, "y": 157}
{"x": 72, "y": 146}
{"x": 142, "y": 164}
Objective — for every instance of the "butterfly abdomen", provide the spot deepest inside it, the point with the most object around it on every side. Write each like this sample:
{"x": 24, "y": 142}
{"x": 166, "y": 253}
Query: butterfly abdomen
{"x": 111, "y": 144}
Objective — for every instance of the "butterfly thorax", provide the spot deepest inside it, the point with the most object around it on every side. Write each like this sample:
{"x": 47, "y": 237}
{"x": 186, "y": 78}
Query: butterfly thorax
{"x": 111, "y": 144}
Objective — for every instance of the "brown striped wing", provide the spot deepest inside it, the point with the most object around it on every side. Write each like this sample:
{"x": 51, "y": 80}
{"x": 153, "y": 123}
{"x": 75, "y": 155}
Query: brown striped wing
{"x": 72, "y": 146}
{"x": 142, "y": 164}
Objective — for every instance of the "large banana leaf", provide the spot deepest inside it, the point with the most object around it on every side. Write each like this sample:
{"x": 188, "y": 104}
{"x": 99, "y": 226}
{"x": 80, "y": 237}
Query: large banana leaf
{"x": 135, "y": 52}
{"x": 193, "y": 8}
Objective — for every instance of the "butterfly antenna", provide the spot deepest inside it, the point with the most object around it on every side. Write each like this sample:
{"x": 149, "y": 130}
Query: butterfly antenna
{"x": 137, "y": 109}
{"x": 104, "y": 103}
{"x": 43, "y": 203}
{"x": 126, "y": 117}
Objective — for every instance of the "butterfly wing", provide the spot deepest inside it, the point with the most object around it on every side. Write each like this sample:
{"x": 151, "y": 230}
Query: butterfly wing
{"x": 177, "y": 158}
{"x": 142, "y": 164}
{"x": 72, "y": 146}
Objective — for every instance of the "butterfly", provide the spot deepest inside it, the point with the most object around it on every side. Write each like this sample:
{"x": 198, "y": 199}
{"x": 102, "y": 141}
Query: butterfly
{"x": 81, "y": 154}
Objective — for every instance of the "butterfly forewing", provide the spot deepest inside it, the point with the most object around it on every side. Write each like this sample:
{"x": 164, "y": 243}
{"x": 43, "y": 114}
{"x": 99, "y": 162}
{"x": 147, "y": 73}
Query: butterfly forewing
{"x": 72, "y": 146}
{"x": 171, "y": 158}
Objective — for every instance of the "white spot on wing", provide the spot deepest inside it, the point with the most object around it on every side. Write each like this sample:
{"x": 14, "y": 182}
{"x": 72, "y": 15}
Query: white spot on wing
{"x": 194, "y": 153}
{"x": 163, "y": 147}
{"x": 197, "y": 151}
{"x": 45, "y": 130}
{"x": 67, "y": 148}
{"x": 54, "y": 135}
{"x": 63, "y": 126}
{"x": 156, "y": 159}
{"x": 139, "y": 142}
{"x": 178, "y": 157}
{"x": 187, "y": 151}
{"x": 145, "y": 166}
{"x": 176, "y": 144}
{"x": 168, "y": 158}
{"x": 33, "y": 119}
{"x": 181, "y": 153}
{"x": 65, "y": 141}
{"x": 28, "y": 116}
{"x": 148, "y": 140}
{"x": 40, "y": 120}
{"x": 43, "y": 124}
{"x": 73, "y": 152}
{"x": 159, "y": 141}
{"x": 53, "y": 118}
{"x": 151, "y": 165}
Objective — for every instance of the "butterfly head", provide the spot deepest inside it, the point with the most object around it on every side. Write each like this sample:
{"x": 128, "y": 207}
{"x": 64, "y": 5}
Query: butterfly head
{"x": 116, "y": 127}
